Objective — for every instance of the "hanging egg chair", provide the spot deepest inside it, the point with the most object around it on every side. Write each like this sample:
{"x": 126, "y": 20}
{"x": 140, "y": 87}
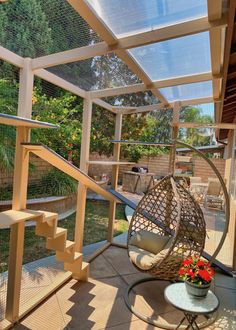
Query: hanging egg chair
{"x": 167, "y": 227}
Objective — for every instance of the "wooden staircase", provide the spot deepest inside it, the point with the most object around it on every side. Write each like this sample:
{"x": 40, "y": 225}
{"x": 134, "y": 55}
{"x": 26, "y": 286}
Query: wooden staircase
{"x": 56, "y": 238}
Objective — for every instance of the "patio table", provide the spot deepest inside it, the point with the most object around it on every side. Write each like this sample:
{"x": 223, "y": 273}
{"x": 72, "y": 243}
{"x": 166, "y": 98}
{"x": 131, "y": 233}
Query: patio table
{"x": 177, "y": 295}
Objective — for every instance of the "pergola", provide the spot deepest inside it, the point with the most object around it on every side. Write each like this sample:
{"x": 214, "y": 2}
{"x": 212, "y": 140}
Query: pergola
{"x": 175, "y": 48}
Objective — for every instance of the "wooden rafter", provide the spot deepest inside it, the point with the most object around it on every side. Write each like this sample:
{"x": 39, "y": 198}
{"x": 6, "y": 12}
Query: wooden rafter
{"x": 87, "y": 12}
{"x": 230, "y": 29}
{"x": 158, "y": 84}
{"x": 215, "y": 11}
{"x": 11, "y": 57}
{"x": 137, "y": 40}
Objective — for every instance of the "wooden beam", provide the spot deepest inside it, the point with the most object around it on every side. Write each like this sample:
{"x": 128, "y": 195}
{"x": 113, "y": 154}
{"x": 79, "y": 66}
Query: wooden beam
{"x": 88, "y": 13}
{"x": 114, "y": 177}
{"x": 142, "y": 143}
{"x": 118, "y": 91}
{"x": 158, "y": 84}
{"x": 16, "y": 247}
{"x": 145, "y": 108}
{"x": 10, "y": 57}
{"x": 202, "y": 125}
{"x": 26, "y": 89}
{"x": 171, "y": 32}
{"x": 137, "y": 40}
{"x": 215, "y": 10}
{"x": 82, "y": 189}
{"x": 104, "y": 105}
{"x": 90, "y": 16}
{"x": 231, "y": 15}
{"x": 54, "y": 79}
{"x": 73, "y": 55}
{"x": 198, "y": 101}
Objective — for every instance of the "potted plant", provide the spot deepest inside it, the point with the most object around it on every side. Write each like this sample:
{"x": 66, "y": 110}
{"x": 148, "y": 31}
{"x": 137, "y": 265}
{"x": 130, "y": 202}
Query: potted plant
{"x": 197, "y": 275}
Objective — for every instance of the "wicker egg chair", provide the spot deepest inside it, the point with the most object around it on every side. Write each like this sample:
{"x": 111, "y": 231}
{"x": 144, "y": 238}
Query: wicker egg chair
{"x": 167, "y": 226}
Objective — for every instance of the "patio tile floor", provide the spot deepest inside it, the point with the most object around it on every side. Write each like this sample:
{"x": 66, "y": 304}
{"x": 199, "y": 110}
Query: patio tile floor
{"x": 99, "y": 304}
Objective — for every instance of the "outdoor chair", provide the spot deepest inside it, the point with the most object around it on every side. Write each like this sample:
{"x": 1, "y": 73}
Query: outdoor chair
{"x": 213, "y": 197}
{"x": 167, "y": 227}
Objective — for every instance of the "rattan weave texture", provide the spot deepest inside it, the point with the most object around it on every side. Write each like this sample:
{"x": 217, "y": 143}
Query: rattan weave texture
{"x": 169, "y": 209}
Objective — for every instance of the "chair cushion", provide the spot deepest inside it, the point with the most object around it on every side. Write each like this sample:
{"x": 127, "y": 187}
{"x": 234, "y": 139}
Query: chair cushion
{"x": 149, "y": 241}
{"x": 141, "y": 258}
{"x": 144, "y": 259}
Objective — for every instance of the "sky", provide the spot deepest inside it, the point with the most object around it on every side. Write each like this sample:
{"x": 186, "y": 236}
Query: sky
{"x": 207, "y": 109}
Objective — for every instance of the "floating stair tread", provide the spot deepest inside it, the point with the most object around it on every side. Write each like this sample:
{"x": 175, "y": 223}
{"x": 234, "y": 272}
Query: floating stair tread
{"x": 68, "y": 257}
{"x": 60, "y": 231}
{"x": 49, "y": 215}
{"x": 24, "y": 122}
{"x": 69, "y": 244}
{"x": 108, "y": 163}
{"x": 10, "y": 217}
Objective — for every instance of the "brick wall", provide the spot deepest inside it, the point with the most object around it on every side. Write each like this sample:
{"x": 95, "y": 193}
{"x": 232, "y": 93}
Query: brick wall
{"x": 159, "y": 166}
{"x": 40, "y": 167}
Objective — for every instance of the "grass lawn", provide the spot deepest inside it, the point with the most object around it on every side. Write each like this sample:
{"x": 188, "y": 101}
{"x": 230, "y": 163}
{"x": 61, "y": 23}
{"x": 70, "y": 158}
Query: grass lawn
{"x": 96, "y": 223}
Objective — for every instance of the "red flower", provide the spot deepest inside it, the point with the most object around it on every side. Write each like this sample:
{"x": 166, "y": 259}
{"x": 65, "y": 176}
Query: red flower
{"x": 200, "y": 263}
{"x": 187, "y": 262}
{"x": 205, "y": 275}
{"x": 190, "y": 273}
{"x": 182, "y": 271}
{"x": 210, "y": 271}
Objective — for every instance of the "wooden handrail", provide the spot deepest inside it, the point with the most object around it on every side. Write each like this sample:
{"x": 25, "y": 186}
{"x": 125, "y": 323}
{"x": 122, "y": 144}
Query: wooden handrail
{"x": 62, "y": 164}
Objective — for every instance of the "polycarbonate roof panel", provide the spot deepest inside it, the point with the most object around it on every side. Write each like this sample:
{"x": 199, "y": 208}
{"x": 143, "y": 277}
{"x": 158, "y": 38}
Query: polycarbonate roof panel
{"x": 126, "y": 17}
{"x": 176, "y": 57}
{"x": 100, "y": 72}
{"x": 188, "y": 91}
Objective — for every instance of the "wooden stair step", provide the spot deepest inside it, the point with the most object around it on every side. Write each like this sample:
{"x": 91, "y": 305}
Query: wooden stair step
{"x": 68, "y": 255}
{"x": 46, "y": 228}
{"x": 76, "y": 266}
{"x": 68, "y": 258}
{"x": 11, "y": 217}
{"x": 58, "y": 242}
{"x": 83, "y": 274}
{"x": 47, "y": 216}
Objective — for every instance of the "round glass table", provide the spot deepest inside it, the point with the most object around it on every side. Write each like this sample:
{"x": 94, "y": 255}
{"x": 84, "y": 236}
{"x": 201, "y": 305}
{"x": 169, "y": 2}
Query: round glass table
{"x": 176, "y": 294}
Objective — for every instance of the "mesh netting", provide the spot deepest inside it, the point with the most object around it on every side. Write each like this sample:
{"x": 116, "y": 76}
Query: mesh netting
{"x": 38, "y": 27}
{"x": 7, "y": 153}
{"x": 101, "y": 72}
{"x": 133, "y": 99}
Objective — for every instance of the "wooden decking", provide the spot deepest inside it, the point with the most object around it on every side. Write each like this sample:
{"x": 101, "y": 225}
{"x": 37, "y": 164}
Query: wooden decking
{"x": 99, "y": 303}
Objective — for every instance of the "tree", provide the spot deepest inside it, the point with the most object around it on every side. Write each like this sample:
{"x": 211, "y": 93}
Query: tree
{"x": 68, "y": 31}
{"x": 66, "y": 111}
{"x": 28, "y": 33}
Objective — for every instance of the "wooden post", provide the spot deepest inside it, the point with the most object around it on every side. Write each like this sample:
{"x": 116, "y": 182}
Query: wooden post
{"x": 82, "y": 189}
{"x": 176, "y": 110}
{"x": 115, "y": 174}
{"x": 19, "y": 195}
